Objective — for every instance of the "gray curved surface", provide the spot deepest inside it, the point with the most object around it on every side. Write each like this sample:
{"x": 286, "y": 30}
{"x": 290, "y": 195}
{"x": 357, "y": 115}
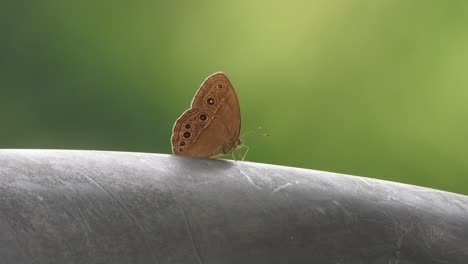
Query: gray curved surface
{"x": 116, "y": 207}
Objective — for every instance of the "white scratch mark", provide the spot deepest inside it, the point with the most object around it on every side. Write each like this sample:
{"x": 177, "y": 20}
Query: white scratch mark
{"x": 364, "y": 181}
{"x": 320, "y": 209}
{"x": 406, "y": 231}
{"x": 125, "y": 211}
{"x": 420, "y": 228}
{"x": 188, "y": 225}
{"x": 424, "y": 239}
{"x": 282, "y": 187}
{"x": 250, "y": 180}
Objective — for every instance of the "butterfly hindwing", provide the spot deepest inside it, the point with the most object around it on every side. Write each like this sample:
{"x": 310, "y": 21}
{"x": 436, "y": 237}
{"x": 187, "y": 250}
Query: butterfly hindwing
{"x": 187, "y": 128}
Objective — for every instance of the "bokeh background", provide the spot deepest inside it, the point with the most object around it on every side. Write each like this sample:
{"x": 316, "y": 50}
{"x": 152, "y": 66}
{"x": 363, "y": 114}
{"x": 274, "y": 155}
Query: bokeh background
{"x": 370, "y": 88}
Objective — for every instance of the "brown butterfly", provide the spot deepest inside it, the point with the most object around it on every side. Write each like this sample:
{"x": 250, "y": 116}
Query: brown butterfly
{"x": 211, "y": 126}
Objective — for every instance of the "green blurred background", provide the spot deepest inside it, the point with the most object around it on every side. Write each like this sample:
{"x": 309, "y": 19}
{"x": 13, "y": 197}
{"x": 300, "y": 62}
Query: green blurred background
{"x": 371, "y": 88}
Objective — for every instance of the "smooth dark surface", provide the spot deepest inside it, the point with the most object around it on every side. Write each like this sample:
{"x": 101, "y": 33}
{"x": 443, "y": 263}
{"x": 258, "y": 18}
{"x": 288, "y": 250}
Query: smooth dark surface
{"x": 117, "y": 207}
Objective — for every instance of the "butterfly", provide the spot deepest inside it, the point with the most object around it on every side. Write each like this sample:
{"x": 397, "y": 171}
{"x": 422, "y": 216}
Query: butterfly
{"x": 211, "y": 126}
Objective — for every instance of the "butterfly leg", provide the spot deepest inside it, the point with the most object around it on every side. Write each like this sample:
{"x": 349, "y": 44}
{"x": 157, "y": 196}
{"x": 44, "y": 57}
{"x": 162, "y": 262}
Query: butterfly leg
{"x": 233, "y": 156}
{"x": 247, "y": 151}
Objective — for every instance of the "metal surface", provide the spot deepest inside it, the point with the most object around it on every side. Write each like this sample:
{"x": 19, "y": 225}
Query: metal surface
{"x": 117, "y": 207}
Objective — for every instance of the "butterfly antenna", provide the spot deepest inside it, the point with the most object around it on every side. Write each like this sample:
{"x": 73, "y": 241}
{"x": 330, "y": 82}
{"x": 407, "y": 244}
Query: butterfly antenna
{"x": 233, "y": 156}
{"x": 256, "y": 132}
{"x": 243, "y": 136}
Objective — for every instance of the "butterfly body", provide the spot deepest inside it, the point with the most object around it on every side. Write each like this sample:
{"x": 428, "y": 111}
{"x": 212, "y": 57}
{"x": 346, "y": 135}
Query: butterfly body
{"x": 211, "y": 126}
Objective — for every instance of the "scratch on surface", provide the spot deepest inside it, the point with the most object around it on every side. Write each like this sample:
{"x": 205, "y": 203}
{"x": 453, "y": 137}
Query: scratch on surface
{"x": 85, "y": 224}
{"x": 457, "y": 250}
{"x": 400, "y": 239}
{"x": 188, "y": 225}
{"x": 364, "y": 181}
{"x": 23, "y": 247}
{"x": 399, "y": 242}
{"x": 190, "y": 186}
{"x": 439, "y": 260}
{"x": 427, "y": 252}
{"x": 250, "y": 180}
{"x": 458, "y": 204}
{"x": 396, "y": 259}
{"x": 126, "y": 212}
{"x": 423, "y": 239}
{"x": 282, "y": 187}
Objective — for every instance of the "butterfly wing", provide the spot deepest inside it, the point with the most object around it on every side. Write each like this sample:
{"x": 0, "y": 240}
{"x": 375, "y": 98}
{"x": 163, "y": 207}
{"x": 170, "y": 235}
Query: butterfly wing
{"x": 212, "y": 126}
